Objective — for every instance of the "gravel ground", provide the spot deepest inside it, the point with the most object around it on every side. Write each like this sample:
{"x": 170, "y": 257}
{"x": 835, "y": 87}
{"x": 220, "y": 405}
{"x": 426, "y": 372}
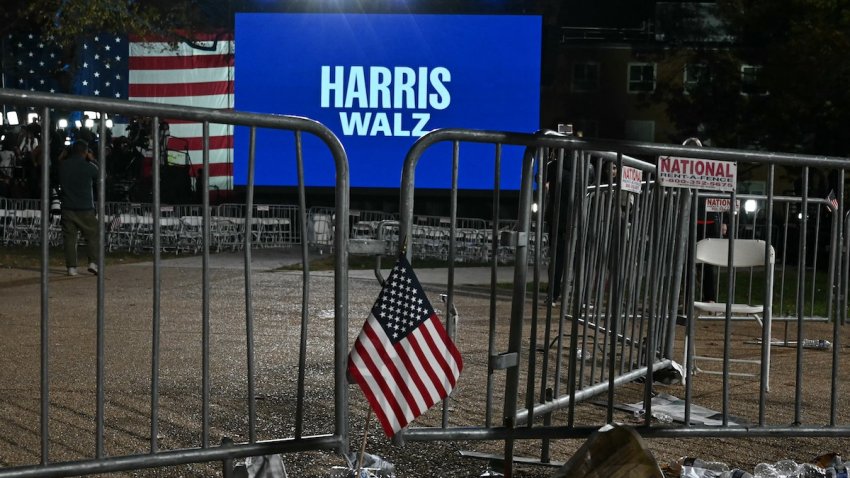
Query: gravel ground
{"x": 276, "y": 299}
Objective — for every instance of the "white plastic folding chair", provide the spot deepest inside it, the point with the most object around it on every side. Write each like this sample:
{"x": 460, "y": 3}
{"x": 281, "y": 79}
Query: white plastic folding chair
{"x": 748, "y": 253}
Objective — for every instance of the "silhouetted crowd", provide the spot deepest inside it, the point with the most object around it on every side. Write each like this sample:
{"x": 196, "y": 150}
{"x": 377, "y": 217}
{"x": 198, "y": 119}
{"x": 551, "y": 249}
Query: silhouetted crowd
{"x": 21, "y": 153}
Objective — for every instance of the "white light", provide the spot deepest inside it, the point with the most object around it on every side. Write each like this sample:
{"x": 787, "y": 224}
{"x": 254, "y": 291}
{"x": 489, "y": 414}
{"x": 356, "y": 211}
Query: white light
{"x": 800, "y": 215}
{"x": 12, "y": 117}
{"x": 78, "y": 124}
{"x": 32, "y": 117}
{"x": 67, "y": 141}
{"x": 750, "y": 205}
{"x": 91, "y": 114}
{"x": 534, "y": 207}
{"x": 63, "y": 123}
{"x": 89, "y": 123}
{"x": 109, "y": 123}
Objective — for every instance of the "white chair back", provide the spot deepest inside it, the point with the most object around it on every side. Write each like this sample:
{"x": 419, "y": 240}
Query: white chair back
{"x": 748, "y": 252}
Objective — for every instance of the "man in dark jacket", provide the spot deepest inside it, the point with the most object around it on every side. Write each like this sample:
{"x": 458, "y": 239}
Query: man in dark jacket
{"x": 77, "y": 175}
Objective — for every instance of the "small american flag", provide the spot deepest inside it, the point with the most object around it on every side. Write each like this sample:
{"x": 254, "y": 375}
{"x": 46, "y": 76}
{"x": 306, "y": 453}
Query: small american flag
{"x": 403, "y": 359}
{"x": 831, "y": 201}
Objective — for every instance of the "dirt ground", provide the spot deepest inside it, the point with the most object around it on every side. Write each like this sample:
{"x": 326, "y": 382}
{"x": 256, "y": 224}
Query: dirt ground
{"x": 276, "y": 299}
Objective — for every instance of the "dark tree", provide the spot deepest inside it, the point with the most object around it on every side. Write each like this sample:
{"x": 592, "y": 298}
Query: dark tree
{"x": 795, "y": 94}
{"x": 65, "y": 21}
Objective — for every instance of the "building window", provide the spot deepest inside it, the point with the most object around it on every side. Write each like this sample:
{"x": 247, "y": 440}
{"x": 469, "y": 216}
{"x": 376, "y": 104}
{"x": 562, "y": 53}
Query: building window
{"x": 696, "y": 75}
{"x": 751, "y": 81}
{"x": 585, "y": 76}
{"x": 641, "y": 77}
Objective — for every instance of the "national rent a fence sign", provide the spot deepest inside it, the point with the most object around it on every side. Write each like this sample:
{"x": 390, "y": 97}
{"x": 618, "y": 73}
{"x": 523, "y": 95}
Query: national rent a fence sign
{"x": 720, "y": 204}
{"x": 697, "y": 173}
{"x": 631, "y": 179}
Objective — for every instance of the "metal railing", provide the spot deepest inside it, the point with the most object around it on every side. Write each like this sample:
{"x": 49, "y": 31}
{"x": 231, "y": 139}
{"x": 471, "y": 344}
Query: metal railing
{"x": 627, "y": 284}
{"x": 623, "y": 257}
{"x": 155, "y": 231}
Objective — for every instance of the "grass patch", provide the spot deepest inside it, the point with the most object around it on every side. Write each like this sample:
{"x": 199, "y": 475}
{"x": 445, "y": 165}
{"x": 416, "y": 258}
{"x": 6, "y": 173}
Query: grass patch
{"x": 749, "y": 289}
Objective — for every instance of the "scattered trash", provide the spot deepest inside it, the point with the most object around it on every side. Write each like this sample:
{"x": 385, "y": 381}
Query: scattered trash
{"x": 737, "y": 473}
{"x": 823, "y": 466}
{"x": 829, "y": 460}
{"x": 689, "y": 467}
{"x": 581, "y": 355}
{"x": 829, "y": 465}
{"x": 817, "y": 344}
{"x": 326, "y": 314}
{"x": 670, "y": 375}
{"x": 660, "y": 416}
{"x": 268, "y": 466}
{"x": 674, "y": 407}
{"x": 612, "y": 452}
{"x": 373, "y": 466}
{"x": 490, "y": 474}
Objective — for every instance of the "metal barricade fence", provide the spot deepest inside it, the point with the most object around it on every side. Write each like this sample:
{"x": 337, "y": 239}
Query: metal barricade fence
{"x": 364, "y": 223}
{"x": 624, "y": 257}
{"x": 627, "y": 287}
{"x": 364, "y": 226}
{"x": 787, "y": 237}
{"x": 5, "y": 220}
{"x": 129, "y": 228}
{"x": 147, "y": 226}
{"x": 229, "y": 226}
{"x": 275, "y": 225}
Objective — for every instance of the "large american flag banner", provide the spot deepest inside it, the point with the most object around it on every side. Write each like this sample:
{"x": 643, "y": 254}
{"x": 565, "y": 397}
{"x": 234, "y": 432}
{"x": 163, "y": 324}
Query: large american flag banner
{"x": 113, "y": 66}
{"x": 198, "y": 74}
{"x": 403, "y": 359}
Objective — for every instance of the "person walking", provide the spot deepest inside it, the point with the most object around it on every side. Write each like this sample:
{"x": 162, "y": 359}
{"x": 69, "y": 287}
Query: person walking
{"x": 77, "y": 176}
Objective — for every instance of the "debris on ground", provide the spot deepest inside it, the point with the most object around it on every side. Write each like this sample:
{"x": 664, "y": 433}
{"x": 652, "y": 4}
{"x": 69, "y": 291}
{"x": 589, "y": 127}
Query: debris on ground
{"x": 613, "y": 451}
{"x": 829, "y": 465}
{"x": 689, "y": 467}
{"x": 817, "y": 344}
{"x": 268, "y": 466}
{"x": 372, "y": 466}
{"x": 812, "y": 344}
{"x": 665, "y": 405}
{"x": 671, "y": 375}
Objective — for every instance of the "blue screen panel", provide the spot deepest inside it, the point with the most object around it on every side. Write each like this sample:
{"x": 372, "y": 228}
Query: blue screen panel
{"x": 379, "y": 82}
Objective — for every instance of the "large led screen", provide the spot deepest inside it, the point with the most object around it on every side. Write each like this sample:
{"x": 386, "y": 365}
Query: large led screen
{"x": 379, "y": 82}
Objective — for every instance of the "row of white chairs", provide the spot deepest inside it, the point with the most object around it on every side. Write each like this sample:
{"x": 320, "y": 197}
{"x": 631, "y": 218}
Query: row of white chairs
{"x": 130, "y": 227}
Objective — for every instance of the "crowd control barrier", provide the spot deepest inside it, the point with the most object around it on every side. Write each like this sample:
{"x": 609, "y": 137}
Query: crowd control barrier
{"x": 623, "y": 234}
{"x": 158, "y": 228}
{"x": 597, "y": 215}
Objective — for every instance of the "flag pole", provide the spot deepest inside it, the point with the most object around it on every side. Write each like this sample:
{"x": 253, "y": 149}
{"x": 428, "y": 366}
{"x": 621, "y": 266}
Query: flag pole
{"x": 363, "y": 444}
